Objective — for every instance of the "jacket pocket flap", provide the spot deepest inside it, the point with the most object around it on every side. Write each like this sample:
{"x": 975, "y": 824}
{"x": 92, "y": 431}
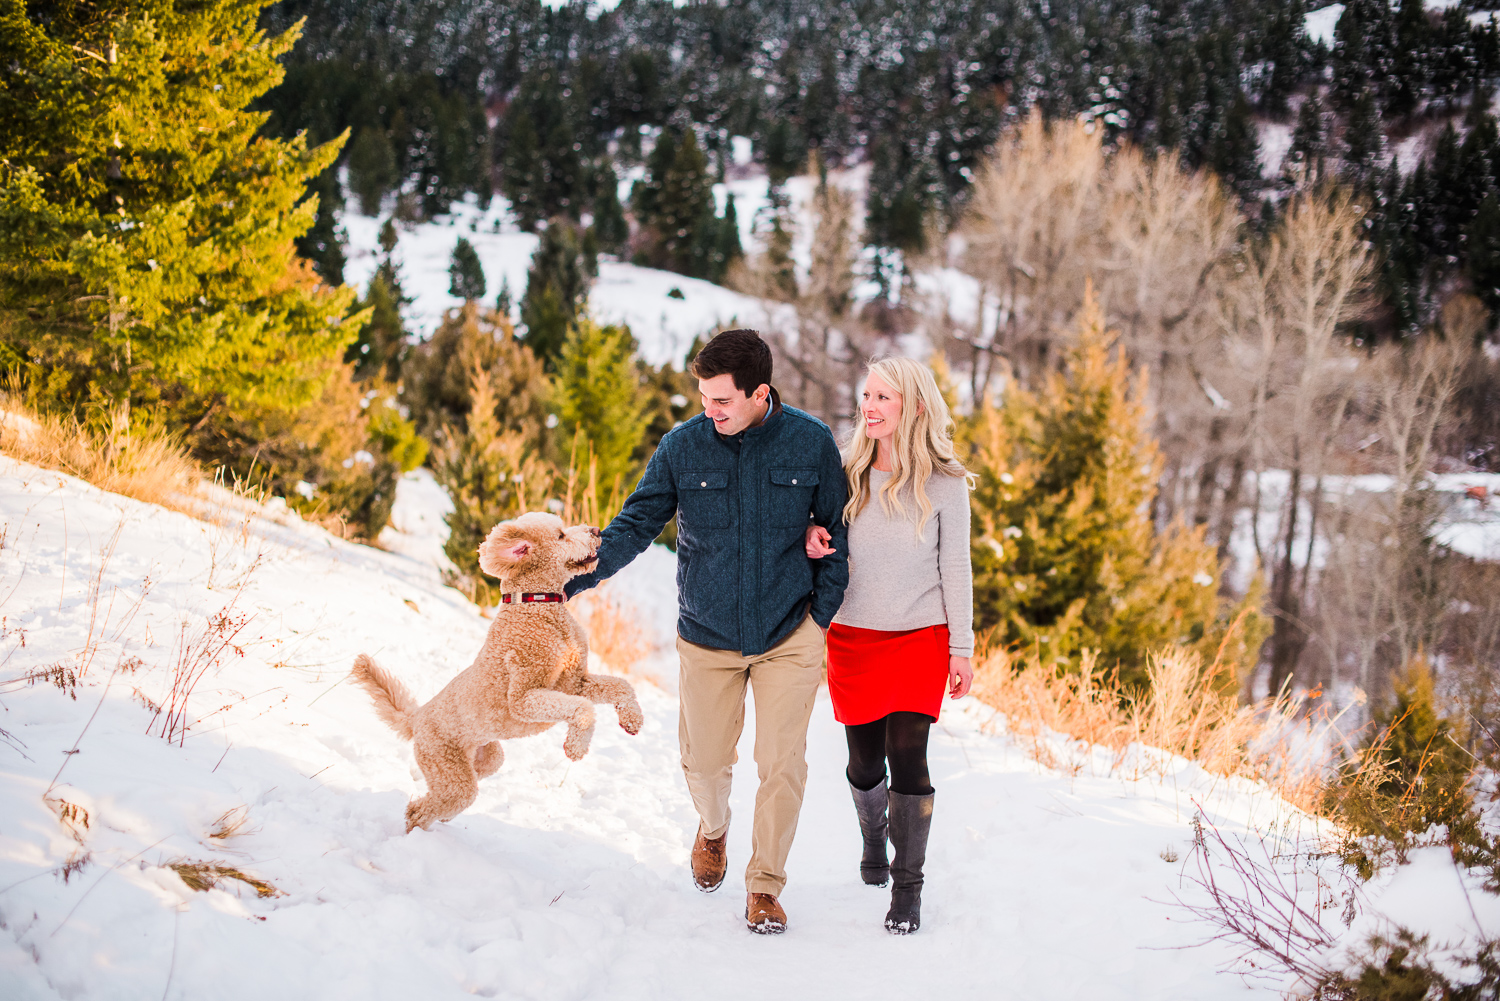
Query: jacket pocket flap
{"x": 787, "y": 477}
{"x": 712, "y": 479}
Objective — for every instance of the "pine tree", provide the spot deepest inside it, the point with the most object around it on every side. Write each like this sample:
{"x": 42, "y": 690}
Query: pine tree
{"x": 381, "y": 346}
{"x": 1423, "y": 767}
{"x": 1411, "y": 69}
{"x": 1364, "y": 138}
{"x": 372, "y": 168}
{"x": 438, "y": 373}
{"x": 609, "y": 225}
{"x": 597, "y": 392}
{"x": 1482, "y": 263}
{"x": 685, "y": 202}
{"x": 727, "y": 248}
{"x": 1309, "y": 141}
{"x": 521, "y": 168}
{"x": 1065, "y": 553}
{"x": 465, "y": 273}
{"x": 492, "y": 474}
{"x": 1235, "y": 150}
{"x": 557, "y": 286}
{"x": 148, "y": 244}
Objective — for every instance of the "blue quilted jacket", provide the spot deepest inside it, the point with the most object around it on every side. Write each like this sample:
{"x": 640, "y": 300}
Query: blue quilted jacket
{"x": 743, "y": 503}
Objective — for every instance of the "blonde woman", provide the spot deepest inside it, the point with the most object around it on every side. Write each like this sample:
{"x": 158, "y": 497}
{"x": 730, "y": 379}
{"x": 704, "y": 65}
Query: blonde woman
{"x": 904, "y": 634}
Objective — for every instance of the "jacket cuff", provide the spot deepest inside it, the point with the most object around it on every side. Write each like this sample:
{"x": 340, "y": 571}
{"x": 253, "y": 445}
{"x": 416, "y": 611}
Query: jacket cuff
{"x": 954, "y": 651}
{"x": 823, "y": 621}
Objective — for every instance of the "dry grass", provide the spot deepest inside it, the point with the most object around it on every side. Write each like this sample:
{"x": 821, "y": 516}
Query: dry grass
{"x": 1184, "y": 712}
{"x": 204, "y": 876}
{"x": 613, "y": 632}
{"x": 144, "y": 462}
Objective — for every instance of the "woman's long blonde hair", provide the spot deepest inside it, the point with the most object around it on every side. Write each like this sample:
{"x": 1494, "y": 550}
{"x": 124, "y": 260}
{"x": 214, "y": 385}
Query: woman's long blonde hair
{"x": 922, "y": 444}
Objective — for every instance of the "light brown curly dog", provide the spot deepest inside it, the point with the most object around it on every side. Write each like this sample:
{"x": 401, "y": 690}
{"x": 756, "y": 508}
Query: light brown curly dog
{"x": 531, "y": 673}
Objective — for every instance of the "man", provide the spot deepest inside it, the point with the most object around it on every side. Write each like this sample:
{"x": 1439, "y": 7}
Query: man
{"x": 743, "y": 478}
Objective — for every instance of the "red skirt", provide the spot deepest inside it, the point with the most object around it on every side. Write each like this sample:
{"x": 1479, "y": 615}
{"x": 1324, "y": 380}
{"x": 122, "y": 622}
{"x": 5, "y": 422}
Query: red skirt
{"x": 873, "y": 673}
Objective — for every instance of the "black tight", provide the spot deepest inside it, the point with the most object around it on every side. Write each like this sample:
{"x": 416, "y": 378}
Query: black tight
{"x": 900, "y": 738}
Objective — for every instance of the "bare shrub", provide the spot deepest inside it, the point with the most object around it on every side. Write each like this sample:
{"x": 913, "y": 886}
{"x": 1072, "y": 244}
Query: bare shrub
{"x": 138, "y": 459}
{"x": 196, "y": 652}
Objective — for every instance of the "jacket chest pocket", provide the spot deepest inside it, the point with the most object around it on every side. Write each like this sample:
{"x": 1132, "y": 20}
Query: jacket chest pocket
{"x": 792, "y": 496}
{"x": 703, "y": 498}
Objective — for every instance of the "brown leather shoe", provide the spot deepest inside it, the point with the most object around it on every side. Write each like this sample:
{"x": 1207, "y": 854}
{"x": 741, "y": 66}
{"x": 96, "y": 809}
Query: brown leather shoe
{"x": 710, "y": 860}
{"x": 763, "y": 915}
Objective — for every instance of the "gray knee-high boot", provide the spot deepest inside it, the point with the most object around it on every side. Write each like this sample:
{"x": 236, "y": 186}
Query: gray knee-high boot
{"x": 870, "y": 805}
{"x": 911, "y": 819}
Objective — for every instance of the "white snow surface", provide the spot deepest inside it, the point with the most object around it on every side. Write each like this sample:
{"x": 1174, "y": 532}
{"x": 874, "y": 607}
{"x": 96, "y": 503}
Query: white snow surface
{"x": 563, "y": 880}
{"x": 1320, "y": 23}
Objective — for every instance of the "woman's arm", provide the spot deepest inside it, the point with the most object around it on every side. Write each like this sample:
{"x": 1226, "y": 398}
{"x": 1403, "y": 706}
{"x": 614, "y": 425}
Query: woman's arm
{"x": 957, "y": 575}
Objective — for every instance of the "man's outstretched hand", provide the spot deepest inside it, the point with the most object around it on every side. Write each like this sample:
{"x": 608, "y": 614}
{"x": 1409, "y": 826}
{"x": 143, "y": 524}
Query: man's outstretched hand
{"x": 817, "y": 543}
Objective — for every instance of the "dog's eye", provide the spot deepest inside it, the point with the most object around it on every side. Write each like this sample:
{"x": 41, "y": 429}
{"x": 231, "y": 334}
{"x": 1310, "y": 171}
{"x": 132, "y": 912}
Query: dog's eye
{"x": 562, "y": 535}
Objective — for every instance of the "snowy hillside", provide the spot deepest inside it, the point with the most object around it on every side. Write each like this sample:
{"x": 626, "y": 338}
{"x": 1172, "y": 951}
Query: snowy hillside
{"x": 563, "y": 881}
{"x": 665, "y": 311}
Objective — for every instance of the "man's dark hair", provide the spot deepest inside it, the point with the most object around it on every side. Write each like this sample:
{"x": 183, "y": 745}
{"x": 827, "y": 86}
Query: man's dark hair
{"x": 741, "y": 353}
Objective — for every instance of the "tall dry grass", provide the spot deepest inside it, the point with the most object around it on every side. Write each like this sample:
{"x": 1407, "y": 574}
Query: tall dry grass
{"x": 1184, "y": 712}
{"x": 143, "y": 461}
{"x": 613, "y": 631}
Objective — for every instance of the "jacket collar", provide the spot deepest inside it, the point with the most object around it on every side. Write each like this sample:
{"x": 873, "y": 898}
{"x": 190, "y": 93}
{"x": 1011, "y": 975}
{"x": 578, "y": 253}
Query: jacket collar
{"x": 771, "y": 415}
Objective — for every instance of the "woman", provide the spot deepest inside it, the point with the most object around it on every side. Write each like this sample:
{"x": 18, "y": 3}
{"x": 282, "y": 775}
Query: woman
{"x": 905, "y": 632}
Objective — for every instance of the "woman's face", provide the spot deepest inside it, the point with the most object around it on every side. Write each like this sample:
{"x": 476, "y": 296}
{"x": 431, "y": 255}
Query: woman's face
{"x": 881, "y": 408}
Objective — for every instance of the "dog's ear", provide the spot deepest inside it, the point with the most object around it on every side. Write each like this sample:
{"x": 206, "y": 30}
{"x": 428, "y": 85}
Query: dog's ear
{"x": 500, "y": 552}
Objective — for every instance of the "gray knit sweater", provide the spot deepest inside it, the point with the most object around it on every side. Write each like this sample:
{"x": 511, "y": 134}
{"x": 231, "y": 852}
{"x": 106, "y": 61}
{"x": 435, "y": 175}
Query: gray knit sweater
{"x": 897, "y": 581}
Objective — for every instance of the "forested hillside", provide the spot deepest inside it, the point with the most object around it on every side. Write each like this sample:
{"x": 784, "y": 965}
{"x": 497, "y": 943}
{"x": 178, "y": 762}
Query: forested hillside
{"x": 547, "y": 104}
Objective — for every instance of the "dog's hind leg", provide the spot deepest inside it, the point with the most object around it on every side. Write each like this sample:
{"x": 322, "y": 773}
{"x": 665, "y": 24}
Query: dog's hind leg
{"x": 488, "y": 758}
{"x": 451, "y": 783}
{"x": 618, "y": 693}
{"x": 541, "y": 705}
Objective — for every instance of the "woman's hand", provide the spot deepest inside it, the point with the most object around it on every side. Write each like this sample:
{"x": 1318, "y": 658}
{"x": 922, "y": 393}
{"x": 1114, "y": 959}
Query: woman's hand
{"x": 817, "y": 542}
{"x": 960, "y": 676}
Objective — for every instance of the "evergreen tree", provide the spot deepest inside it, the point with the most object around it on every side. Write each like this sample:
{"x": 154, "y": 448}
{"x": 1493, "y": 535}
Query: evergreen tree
{"x": 1410, "y": 64}
{"x": 600, "y": 404}
{"x": 557, "y": 286}
{"x": 1364, "y": 50}
{"x": 381, "y": 346}
{"x": 1235, "y": 150}
{"x": 1309, "y": 141}
{"x": 323, "y": 243}
{"x": 1483, "y": 258}
{"x": 684, "y": 207}
{"x": 727, "y": 248}
{"x": 492, "y": 473}
{"x": 438, "y": 373}
{"x": 148, "y": 243}
{"x": 542, "y": 168}
{"x": 610, "y": 226}
{"x": 465, "y": 273}
{"x": 1364, "y": 138}
{"x": 1065, "y": 553}
{"x": 372, "y": 168}
{"x": 1422, "y": 767}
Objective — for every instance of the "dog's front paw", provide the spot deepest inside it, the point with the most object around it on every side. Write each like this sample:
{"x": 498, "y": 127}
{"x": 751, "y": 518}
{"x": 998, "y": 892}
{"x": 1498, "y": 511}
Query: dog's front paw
{"x": 577, "y": 743}
{"x": 631, "y": 719}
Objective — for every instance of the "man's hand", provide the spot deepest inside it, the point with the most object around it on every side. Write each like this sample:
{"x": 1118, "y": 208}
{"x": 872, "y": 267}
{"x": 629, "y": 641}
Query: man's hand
{"x": 817, "y": 542}
{"x": 960, "y": 676}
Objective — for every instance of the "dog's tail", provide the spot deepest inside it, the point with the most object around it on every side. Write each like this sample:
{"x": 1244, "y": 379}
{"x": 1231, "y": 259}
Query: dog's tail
{"x": 393, "y": 703}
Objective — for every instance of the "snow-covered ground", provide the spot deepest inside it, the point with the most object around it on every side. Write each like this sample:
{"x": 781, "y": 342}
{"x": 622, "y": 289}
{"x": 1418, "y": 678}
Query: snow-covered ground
{"x": 563, "y": 880}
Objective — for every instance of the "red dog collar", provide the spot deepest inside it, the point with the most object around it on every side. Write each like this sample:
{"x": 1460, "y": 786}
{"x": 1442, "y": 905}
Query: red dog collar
{"x": 527, "y": 597}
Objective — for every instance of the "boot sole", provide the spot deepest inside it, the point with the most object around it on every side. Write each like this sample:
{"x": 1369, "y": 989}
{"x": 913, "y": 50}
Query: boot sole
{"x": 766, "y": 927}
{"x": 708, "y": 889}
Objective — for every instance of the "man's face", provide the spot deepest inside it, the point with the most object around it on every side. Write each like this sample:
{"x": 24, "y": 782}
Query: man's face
{"x": 728, "y": 407}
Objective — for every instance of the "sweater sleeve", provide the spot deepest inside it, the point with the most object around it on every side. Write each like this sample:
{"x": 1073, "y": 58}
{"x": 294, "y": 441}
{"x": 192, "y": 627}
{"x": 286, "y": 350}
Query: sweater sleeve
{"x": 831, "y": 573}
{"x": 955, "y": 570}
{"x": 646, "y": 512}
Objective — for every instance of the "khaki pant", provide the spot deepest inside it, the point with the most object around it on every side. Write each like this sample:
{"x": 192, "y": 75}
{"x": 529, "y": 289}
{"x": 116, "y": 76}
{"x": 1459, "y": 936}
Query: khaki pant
{"x": 712, "y": 689}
